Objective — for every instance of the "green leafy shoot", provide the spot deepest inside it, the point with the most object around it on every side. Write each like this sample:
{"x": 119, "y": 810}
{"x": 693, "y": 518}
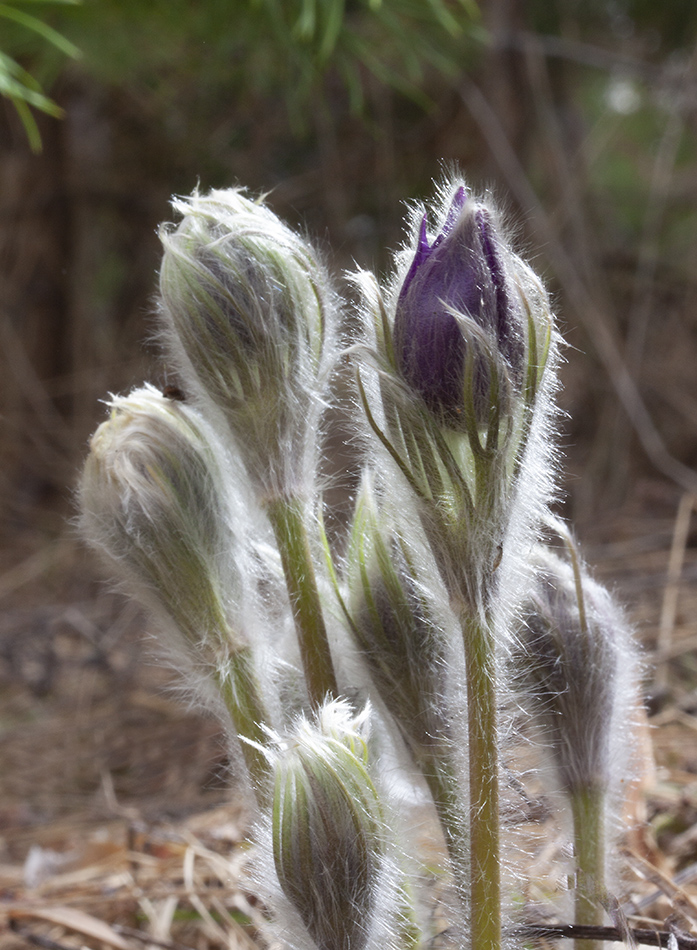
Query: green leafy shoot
{"x": 17, "y": 84}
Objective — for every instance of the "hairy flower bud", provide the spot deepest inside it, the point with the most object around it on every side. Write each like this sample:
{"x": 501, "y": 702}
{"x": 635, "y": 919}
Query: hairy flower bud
{"x": 152, "y": 502}
{"x": 578, "y": 673}
{"x": 155, "y": 504}
{"x": 327, "y": 828}
{"x": 394, "y": 618}
{"x": 458, "y": 303}
{"x": 577, "y": 668}
{"x": 244, "y": 305}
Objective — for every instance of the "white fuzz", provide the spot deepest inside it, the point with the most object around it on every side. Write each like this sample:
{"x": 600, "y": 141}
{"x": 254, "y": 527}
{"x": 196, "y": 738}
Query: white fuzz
{"x": 509, "y": 479}
{"x": 448, "y": 610}
{"x": 156, "y": 504}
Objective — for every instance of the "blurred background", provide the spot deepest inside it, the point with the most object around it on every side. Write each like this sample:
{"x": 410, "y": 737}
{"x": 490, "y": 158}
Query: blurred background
{"x": 579, "y": 117}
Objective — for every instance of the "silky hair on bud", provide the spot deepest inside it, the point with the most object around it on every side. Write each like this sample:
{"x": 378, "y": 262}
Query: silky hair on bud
{"x": 328, "y": 837}
{"x": 155, "y": 504}
{"x": 577, "y": 674}
{"x": 579, "y": 669}
{"x": 249, "y": 316}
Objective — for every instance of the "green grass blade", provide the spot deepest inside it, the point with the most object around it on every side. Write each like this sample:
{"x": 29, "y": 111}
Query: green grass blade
{"x": 43, "y": 29}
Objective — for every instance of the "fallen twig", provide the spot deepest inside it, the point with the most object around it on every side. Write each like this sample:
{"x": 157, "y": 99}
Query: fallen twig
{"x": 652, "y": 938}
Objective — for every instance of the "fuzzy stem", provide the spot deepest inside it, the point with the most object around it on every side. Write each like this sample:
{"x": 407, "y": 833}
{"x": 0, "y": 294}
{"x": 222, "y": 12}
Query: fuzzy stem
{"x": 485, "y": 860}
{"x": 588, "y": 810}
{"x": 442, "y": 782}
{"x": 286, "y": 516}
{"x": 239, "y": 689}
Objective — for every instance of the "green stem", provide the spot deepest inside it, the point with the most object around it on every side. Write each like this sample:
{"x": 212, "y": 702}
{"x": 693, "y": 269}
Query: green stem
{"x": 588, "y": 810}
{"x": 442, "y": 782}
{"x": 485, "y": 863}
{"x": 286, "y": 516}
{"x": 239, "y": 689}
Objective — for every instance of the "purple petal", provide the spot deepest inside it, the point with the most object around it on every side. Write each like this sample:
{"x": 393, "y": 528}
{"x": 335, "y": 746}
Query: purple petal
{"x": 422, "y": 253}
{"x": 506, "y": 328}
{"x": 462, "y": 271}
{"x": 431, "y": 359}
{"x": 451, "y": 219}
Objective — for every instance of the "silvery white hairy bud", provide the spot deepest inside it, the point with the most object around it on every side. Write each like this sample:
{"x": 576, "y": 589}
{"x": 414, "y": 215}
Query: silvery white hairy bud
{"x": 578, "y": 668}
{"x": 153, "y": 504}
{"x": 578, "y": 672}
{"x": 247, "y": 314}
{"x": 328, "y": 835}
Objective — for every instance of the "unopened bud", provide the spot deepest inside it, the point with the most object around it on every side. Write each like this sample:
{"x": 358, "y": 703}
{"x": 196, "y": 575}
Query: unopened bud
{"x": 460, "y": 323}
{"x": 328, "y": 837}
{"x": 577, "y": 668}
{"x": 396, "y": 624}
{"x": 152, "y": 503}
{"x": 245, "y": 304}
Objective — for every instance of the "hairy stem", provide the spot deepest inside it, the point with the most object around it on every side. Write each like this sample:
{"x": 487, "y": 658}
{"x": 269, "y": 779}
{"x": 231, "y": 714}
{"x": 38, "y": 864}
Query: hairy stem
{"x": 588, "y": 810}
{"x": 286, "y": 516}
{"x": 442, "y": 782}
{"x": 485, "y": 863}
{"x": 239, "y": 688}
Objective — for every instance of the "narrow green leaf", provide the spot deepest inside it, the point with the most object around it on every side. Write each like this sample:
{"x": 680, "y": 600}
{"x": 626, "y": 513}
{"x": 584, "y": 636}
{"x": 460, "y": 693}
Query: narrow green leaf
{"x": 29, "y": 123}
{"x": 335, "y": 21}
{"x": 43, "y": 29}
{"x": 445, "y": 17}
{"x": 16, "y": 90}
{"x": 401, "y": 464}
{"x": 11, "y": 67}
{"x": 306, "y": 23}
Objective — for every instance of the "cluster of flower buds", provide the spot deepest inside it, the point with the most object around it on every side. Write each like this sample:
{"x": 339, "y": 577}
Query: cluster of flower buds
{"x": 455, "y": 375}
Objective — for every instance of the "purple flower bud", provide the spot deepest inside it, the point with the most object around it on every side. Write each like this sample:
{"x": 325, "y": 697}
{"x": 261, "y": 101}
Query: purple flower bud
{"x": 462, "y": 270}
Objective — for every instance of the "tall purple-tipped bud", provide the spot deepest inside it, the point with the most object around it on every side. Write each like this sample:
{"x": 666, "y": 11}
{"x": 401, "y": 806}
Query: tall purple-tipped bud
{"x": 457, "y": 300}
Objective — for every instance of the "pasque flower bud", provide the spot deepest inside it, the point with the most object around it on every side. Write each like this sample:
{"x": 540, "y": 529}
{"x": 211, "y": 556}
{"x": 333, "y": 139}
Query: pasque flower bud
{"x": 458, "y": 302}
{"x": 578, "y": 673}
{"x": 577, "y": 667}
{"x": 245, "y": 303}
{"x": 328, "y": 836}
{"x": 155, "y": 504}
{"x": 394, "y": 616}
{"x": 152, "y": 502}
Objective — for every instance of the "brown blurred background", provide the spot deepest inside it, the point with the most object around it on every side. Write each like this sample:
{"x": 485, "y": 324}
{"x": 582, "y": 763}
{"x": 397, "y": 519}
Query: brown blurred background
{"x": 581, "y": 117}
